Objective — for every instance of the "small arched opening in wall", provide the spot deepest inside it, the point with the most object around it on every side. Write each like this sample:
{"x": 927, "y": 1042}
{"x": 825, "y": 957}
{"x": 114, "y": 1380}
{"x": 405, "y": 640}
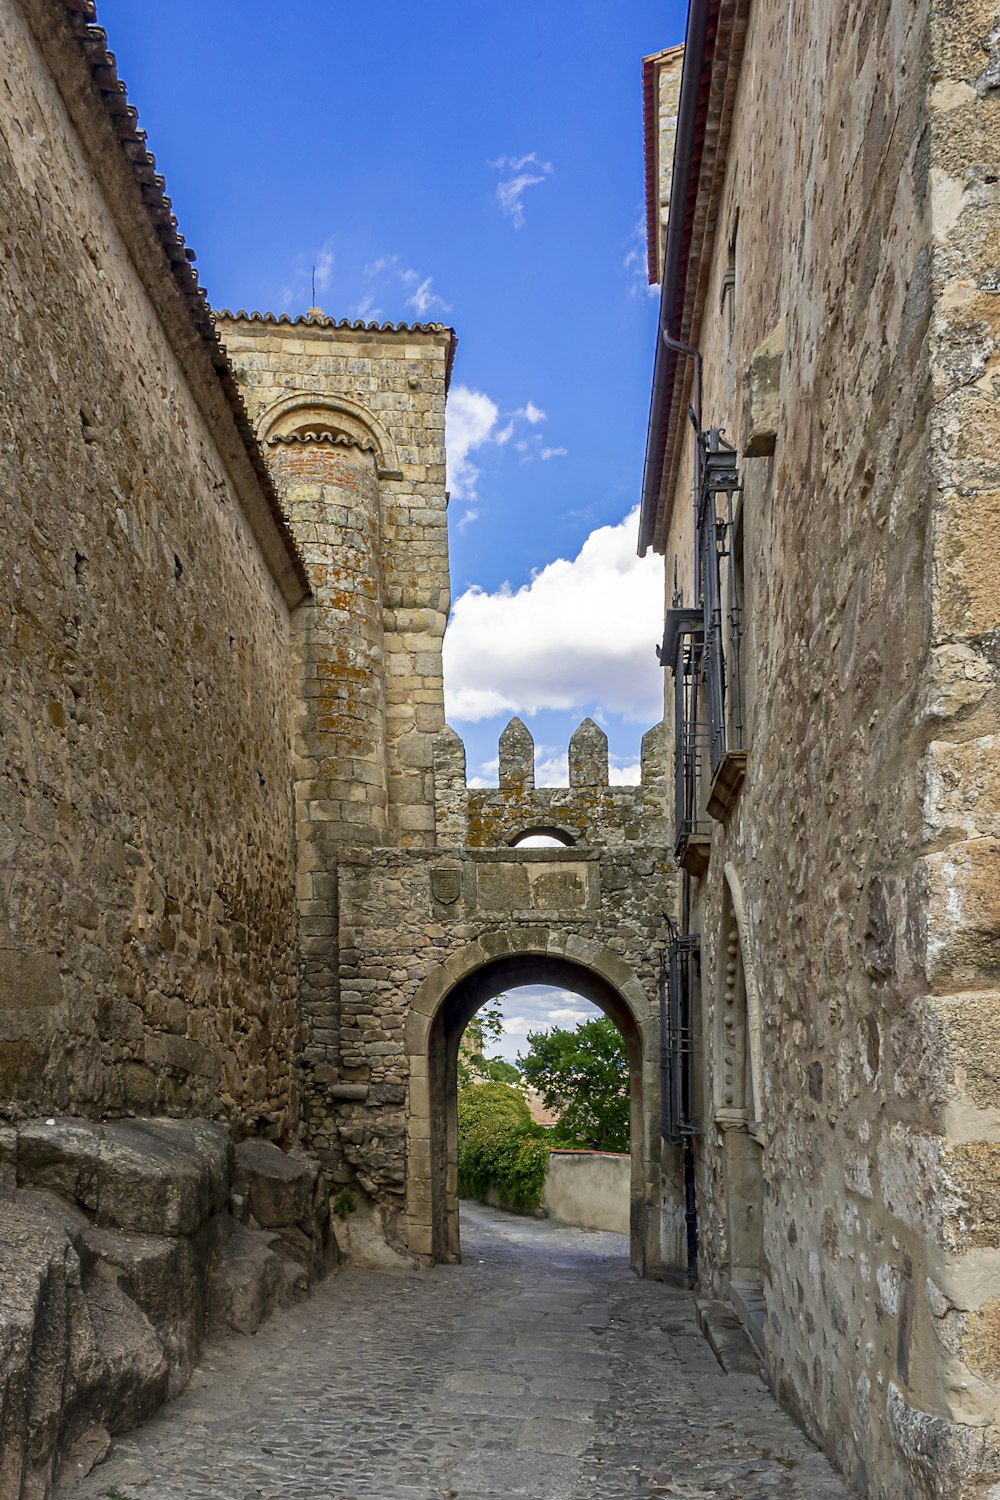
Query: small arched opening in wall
{"x": 307, "y": 416}
{"x": 446, "y": 1002}
{"x": 548, "y": 837}
{"x": 737, "y": 1095}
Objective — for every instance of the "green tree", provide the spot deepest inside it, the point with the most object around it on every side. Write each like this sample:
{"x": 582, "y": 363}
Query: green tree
{"x": 500, "y": 1146}
{"x": 485, "y": 1028}
{"x": 583, "y": 1075}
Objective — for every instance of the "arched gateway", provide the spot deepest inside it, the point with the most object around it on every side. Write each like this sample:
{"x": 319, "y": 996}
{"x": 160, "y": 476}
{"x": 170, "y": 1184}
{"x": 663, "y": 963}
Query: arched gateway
{"x": 445, "y": 1003}
{"x": 428, "y": 935}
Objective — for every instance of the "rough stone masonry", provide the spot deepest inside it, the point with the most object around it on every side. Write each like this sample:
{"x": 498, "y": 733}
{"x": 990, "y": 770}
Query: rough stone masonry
{"x": 248, "y": 901}
{"x": 833, "y": 252}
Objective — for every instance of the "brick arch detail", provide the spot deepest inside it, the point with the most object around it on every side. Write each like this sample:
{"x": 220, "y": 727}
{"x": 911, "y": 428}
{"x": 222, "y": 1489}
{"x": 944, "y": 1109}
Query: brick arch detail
{"x": 303, "y": 402}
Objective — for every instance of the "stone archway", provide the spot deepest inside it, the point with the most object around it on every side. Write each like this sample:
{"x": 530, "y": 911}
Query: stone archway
{"x": 446, "y": 1001}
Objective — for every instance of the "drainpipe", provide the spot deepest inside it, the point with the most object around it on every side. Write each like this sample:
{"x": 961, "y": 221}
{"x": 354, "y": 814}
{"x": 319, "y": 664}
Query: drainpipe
{"x": 667, "y": 347}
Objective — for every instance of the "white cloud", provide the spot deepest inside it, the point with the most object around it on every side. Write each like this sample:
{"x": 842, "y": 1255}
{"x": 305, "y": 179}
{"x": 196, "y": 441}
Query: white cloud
{"x": 552, "y": 769}
{"x": 627, "y": 775}
{"x": 519, "y": 174}
{"x": 487, "y": 773}
{"x": 581, "y": 632}
{"x": 366, "y": 309}
{"x": 423, "y": 298}
{"x": 383, "y": 263}
{"x": 637, "y": 265}
{"x": 554, "y": 453}
{"x": 470, "y": 419}
{"x": 566, "y": 1015}
{"x": 323, "y": 269}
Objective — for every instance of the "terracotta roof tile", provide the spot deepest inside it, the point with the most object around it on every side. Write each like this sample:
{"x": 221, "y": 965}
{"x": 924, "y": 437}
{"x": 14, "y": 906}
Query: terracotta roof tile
{"x": 336, "y": 439}
{"x": 316, "y": 320}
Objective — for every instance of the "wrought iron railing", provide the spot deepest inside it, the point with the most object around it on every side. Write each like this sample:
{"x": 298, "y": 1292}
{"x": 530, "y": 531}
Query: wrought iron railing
{"x": 679, "y": 964}
{"x": 682, "y": 652}
{"x": 718, "y": 487}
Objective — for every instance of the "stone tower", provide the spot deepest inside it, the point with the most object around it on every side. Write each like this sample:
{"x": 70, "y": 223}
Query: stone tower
{"x": 350, "y": 418}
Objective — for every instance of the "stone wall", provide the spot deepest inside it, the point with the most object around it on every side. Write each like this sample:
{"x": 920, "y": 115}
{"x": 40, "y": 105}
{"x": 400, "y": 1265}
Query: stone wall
{"x": 351, "y": 418}
{"x": 147, "y": 919}
{"x": 849, "y": 913}
{"x": 589, "y": 1189}
{"x": 428, "y": 935}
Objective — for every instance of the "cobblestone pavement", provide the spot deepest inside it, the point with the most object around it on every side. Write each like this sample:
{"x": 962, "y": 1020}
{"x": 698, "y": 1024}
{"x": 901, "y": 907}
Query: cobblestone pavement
{"x": 540, "y": 1367}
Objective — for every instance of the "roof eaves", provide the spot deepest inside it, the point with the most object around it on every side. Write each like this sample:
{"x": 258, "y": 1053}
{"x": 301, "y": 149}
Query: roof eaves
{"x": 82, "y": 17}
{"x": 651, "y": 66}
{"x": 356, "y": 325}
{"x": 690, "y": 234}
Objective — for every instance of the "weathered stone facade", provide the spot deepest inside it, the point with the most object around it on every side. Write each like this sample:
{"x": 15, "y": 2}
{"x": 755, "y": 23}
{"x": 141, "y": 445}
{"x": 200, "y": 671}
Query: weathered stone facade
{"x": 836, "y": 223}
{"x": 402, "y": 869}
{"x": 147, "y": 866}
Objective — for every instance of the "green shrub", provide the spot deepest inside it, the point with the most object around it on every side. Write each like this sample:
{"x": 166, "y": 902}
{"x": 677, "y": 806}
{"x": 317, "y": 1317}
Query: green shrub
{"x": 500, "y": 1146}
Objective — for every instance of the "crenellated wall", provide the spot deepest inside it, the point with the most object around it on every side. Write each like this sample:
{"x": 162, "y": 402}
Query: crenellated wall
{"x": 590, "y": 810}
{"x": 426, "y": 935}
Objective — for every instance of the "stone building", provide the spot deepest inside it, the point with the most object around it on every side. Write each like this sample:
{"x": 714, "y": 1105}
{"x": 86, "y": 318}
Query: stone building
{"x": 823, "y": 481}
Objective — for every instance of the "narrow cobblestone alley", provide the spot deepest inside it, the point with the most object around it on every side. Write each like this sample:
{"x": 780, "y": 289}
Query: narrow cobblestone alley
{"x": 540, "y": 1367}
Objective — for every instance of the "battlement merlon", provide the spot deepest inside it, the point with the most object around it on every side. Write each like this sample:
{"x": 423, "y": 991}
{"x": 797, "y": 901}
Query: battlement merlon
{"x": 588, "y": 811}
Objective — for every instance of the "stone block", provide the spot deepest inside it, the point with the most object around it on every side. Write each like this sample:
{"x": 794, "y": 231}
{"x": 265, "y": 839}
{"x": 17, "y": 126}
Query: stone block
{"x": 252, "y": 1278}
{"x": 588, "y": 756}
{"x": 962, "y": 789}
{"x": 967, "y": 597}
{"x": 517, "y": 757}
{"x": 146, "y": 1176}
{"x": 278, "y": 1187}
{"x": 963, "y": 922}
{"x": 503, "y": 887}
{"x": 762, "y": 395}
{"x": 164, "y": 1049}
{"x": 165, "y": 1278}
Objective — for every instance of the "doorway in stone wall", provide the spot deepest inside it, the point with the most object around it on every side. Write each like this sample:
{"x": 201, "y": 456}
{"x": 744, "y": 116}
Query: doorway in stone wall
{"x": 737, "y": 1118}
{"x": 435, "y": 1039}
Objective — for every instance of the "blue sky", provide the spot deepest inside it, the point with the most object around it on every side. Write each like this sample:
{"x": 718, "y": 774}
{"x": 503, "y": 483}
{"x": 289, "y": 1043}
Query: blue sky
{"x": 481, "y": 166}
{"x": 385, "y": 144}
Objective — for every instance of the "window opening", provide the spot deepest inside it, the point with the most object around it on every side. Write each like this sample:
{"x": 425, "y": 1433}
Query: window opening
{"x": 542, "y": 838}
